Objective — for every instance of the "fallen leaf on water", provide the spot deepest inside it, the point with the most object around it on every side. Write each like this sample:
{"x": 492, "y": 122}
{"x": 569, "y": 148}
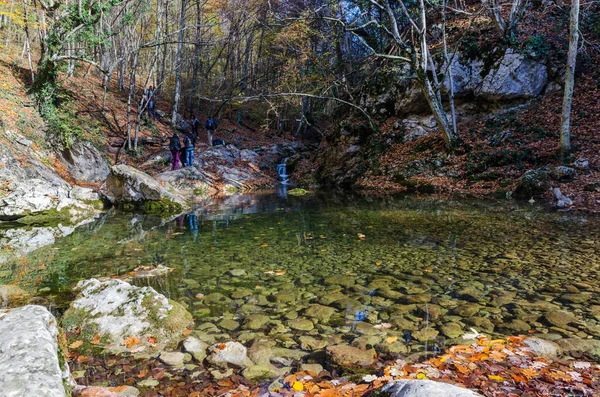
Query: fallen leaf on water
{"x": 378, "y": 263}
{"x": 264, "y": 245}
{"x": 361, "y": 236}
{"x": 391, "y": 339}
{"x": 199, "y": 296}
{"x": 117, "y": 389}
{"x": 383, "y": 326}
{"x": 75, "y": 344}
{"x": 280, "y": 272}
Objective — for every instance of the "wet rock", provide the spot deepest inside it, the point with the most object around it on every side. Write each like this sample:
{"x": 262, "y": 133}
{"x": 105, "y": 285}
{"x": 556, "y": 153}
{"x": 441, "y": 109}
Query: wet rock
{"x": 311, "y": 343}
{"x": 481, "y": 323}
{"x": 301, "y": 324}
{"x": 426, "y": 334}
{"x": 543, "y": 348}
{"x": 237, "y": 272}
{"x": 117, "y": 310}
{"x": 30, "y": 362}
{"x": 582, "y": 297}
{"x": 426, "y": 388}
{"x": 417, "y": 298}
{"x": 467, "y": 309}
{"x": 590, "y": 347}
{"x": 230, "y": 354}
{"x": 316, "y": 368}
{"x": 174, "y": 359}
{"x": 392, "y": 350}
{"x": 319, "y": 312}
{"x": 229, "y": 325}
{"x": 261, "y": 351}
{"x": 503, "y": 298}
{"x": 516, "y": 326}
{"x": 216, "y": 298}
{"x": 344, "y": 281}
{"x": 560, "y": 318}
{"x": 513, "y": 77}
{"x": 131, "y": 188}
{"x": 452, "y": 330}
{"x": 196, "y": 348}
{"x": 470, "y": 294}
{"x": 261, "y": 372}
{"x": 256, "y": 322}
{"x": 349, "y": 356}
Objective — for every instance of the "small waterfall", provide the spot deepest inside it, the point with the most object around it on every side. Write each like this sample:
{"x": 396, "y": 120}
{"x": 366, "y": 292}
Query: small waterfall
{"x": 282, "y": 172}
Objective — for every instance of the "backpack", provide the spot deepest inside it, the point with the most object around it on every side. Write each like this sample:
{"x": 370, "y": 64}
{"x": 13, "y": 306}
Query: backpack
{"x": 210, "y": 124}
{"x": 175, "y": 143}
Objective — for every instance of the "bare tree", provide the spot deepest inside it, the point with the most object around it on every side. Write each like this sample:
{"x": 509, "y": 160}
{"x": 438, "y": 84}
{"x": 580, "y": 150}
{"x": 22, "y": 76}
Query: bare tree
{"x": 565, "y": 132}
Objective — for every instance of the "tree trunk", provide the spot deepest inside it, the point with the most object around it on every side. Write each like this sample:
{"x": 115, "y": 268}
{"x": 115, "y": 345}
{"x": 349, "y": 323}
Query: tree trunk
{"x": 177, "y": 97}
{"x": 565, "y": 132}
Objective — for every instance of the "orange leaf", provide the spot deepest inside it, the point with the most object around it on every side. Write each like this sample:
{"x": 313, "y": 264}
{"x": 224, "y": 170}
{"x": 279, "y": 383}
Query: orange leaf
{"x": 152, "y": 340}
{"x": 187, "y": 332}
{"x": 96, "y": 339}
{"x": 529, "y": 372}
{"x": 75, "y": 344}
{"x": 221, "y": 346}
{"x": 142, "y": 373}
{"x": 461, "y": 368}
{"x": 225, "y": 383}
{"x": 117, "y": 389}
{"x": 130, "y": 342}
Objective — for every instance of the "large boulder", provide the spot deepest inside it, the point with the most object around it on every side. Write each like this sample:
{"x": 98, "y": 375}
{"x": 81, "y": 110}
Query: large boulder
{"x": 466, "y": 75}
{"x": 31, "y": 363}
{"x": 125, "y": 316}
{"x": 130, "y": 188}
{"x": 38, "y": 201}
{"x": 84, "y": 162}
{"x": 425, "y": 388}
{"x": 514, "y": 76}
{"x": 532, "y": 184}
{"x": 218, "y": 168}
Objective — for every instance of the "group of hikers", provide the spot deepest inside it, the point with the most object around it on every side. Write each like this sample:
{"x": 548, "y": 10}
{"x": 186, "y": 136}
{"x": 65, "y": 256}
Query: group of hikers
{"x": 186, "y": 151}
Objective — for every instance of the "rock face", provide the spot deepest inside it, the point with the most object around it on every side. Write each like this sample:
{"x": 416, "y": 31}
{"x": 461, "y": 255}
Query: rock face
{"x": 425, "y": 388}
{"x": 116, "y": 310}
{"x": 84, "y": 162}
{"x": 130, "y": 188}
{"x": 31, "y": 363}
{"x": 37, "y": 201}
{"x": 514, "y": 77}
{"x": 466, "y": 75}
{"x": 225, "y": 173}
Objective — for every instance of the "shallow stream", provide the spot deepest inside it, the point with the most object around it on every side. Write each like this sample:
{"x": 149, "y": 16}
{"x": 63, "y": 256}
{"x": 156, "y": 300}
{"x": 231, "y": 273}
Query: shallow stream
{"x": 322, "y": 269}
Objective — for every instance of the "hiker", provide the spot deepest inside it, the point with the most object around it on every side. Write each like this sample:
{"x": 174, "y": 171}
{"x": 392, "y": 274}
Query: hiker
{"x": 189, "y": 141}
{"x": 194, "y": 122}
{"x": 211, "y": 126}
{"x": 151, "y": 100}
{"x": 175, "y": 146}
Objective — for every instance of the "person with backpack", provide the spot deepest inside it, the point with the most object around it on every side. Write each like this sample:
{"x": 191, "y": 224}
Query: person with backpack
{"x": 189, "y": 142}
{"x": 175, "y": 147}
{"x": 211, "y": 126}
{"x": 194, "y": 122}
{"x": 151, "y": 101}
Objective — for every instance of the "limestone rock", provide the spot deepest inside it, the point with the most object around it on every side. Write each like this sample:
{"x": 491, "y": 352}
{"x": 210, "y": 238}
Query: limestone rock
{"x": 174, "y": 359}
{"x": 426, "y": 388}
{"x": 30, "y": 361}
{"x": 230, "y": 354}
{"x": 532, "y": 184}
{"x": 561, "y": 173}
{"x": 131, "y": 188}
{"x": 590, "y": 347}
{"x": 196, "y": 348}
{"x": 84, "y": 162}
{"x": 117, "y": 310}
{"x": 261, "y": 372}
{"x": 543, "y": 348}
{"x": 513, "y": 77}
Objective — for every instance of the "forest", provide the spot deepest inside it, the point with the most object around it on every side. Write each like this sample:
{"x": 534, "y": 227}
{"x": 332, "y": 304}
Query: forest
{"x": 299, "y": 198}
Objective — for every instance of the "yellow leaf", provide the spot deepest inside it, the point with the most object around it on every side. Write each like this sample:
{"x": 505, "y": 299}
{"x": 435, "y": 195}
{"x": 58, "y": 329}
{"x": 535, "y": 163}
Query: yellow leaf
{"x": 496, "y": 378}
{"x": 264, "y": 245}
{"x": 298, "y": 386}
{"x": 391, "y": 339}
{"x": 75, "y": 344}
{"x": 421, "y": 376}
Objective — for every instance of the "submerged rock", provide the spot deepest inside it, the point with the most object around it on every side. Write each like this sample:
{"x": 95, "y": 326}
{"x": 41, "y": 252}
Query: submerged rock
{"x": 130, "y": 188}
{"x": 31, "y": 363}
{"x": 426, "y": 388}
{"x": 230, "y": 354}
{"x": 350, "y": 356}
{"x": 116, "y": 311}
